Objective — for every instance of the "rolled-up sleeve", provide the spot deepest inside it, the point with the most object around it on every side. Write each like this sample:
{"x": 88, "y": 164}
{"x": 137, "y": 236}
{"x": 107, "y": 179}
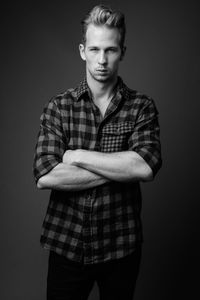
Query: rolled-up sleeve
{"x": 50, "y": 144}
{"x": 145, "y": 140}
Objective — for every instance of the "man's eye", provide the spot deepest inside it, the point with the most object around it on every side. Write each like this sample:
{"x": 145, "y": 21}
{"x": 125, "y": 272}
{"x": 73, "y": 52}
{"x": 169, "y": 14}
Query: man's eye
{"x": 94, "y": 49}
{"x": 111, "y": 50}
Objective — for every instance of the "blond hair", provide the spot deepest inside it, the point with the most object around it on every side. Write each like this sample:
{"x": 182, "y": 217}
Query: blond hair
{"x": 102, "y": 15}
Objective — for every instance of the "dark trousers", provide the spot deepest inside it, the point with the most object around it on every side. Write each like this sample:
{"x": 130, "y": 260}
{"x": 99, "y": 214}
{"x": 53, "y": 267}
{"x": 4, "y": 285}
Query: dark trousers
{"x": 69, "y": 280}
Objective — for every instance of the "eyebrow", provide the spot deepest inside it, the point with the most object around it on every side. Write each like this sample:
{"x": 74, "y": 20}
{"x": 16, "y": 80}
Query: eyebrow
{"x": 107, "y": 48}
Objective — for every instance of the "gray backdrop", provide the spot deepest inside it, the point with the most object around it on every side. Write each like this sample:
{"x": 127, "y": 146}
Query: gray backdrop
{"x": 40, "y": 58}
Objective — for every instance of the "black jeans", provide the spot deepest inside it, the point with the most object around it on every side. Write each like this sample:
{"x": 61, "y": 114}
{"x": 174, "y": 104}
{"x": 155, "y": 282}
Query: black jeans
{"x": 68, "y": 280}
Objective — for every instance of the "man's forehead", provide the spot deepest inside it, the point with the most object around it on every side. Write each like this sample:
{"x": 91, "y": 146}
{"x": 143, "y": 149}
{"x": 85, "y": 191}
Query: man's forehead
{"x": 102, "y": 34}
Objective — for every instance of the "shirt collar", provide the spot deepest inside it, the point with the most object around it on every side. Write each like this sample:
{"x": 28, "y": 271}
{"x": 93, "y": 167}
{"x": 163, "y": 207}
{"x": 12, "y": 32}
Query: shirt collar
{"x": 83, "y": 89}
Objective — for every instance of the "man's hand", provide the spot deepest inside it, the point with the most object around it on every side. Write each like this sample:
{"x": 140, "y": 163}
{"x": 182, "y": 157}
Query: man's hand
{"x": 72, "y": 157}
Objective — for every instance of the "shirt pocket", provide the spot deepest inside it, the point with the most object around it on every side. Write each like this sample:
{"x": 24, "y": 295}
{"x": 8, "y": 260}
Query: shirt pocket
{"x": 115, "y": 136}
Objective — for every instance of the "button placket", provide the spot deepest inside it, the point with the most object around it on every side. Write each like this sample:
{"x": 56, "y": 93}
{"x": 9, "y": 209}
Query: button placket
{"x": 87, "y": 229}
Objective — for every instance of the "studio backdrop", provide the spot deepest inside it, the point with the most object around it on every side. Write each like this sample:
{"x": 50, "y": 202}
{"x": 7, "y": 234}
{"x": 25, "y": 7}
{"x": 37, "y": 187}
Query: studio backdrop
{"x": 39, "y": 59}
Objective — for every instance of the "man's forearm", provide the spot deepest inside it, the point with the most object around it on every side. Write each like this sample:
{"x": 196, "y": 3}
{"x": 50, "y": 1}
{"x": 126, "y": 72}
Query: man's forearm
{"x": 117, "y": 166}
{"x": 70, "y": 178}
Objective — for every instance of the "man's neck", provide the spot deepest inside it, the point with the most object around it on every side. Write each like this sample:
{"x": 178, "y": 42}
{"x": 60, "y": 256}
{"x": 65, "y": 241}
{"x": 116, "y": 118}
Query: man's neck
{"x": 101, "y": 90}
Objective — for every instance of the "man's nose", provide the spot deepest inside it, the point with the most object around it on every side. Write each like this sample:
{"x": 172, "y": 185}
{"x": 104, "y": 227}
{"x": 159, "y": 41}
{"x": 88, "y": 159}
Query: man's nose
{"x": 102, "y": 58}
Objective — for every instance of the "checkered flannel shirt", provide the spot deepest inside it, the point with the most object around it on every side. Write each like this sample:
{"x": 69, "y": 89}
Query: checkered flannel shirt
{"x": 100, "y": 223}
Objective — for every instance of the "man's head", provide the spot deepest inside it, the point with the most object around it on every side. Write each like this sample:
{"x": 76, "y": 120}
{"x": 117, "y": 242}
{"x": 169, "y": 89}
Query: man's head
{"x": 104, "y": 16}
{"x": 103, "y": 43}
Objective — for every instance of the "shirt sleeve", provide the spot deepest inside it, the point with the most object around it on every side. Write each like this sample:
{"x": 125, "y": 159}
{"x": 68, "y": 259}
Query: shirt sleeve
{"x": 50, "y": 145}
{"x": 145, "y": 140}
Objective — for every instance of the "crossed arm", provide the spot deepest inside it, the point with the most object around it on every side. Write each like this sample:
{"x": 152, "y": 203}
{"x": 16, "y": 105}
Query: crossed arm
{"x": 83, "y": 169}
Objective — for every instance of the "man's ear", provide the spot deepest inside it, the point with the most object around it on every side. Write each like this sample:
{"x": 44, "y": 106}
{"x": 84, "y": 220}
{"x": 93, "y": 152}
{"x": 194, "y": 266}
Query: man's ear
{"x": 123, "y": 53}
{"x": 82, "y": 51}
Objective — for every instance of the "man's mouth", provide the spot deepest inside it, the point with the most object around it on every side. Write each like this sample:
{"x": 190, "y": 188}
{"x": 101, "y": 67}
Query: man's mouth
{"x": 101, "y": 70}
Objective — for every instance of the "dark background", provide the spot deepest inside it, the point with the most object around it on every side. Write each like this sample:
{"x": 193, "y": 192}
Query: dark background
{"x": 40, "y": 58}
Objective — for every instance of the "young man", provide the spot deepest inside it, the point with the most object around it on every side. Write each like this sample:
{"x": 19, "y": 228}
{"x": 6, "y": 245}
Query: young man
{"x": 96, "y": 143}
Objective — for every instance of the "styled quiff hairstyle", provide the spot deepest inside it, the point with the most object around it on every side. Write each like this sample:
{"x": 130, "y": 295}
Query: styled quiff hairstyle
{"x": 102, "y": 15}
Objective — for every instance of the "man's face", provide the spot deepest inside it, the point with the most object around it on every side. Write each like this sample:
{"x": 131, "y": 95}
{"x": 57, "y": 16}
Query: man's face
{"x": 102, "y": 53}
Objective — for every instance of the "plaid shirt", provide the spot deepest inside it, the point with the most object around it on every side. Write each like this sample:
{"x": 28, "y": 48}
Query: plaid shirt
{"x": 100, "y": 223}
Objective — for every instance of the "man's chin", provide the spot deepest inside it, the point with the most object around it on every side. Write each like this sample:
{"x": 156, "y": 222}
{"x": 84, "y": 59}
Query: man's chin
{"x": 102, "y": 77}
